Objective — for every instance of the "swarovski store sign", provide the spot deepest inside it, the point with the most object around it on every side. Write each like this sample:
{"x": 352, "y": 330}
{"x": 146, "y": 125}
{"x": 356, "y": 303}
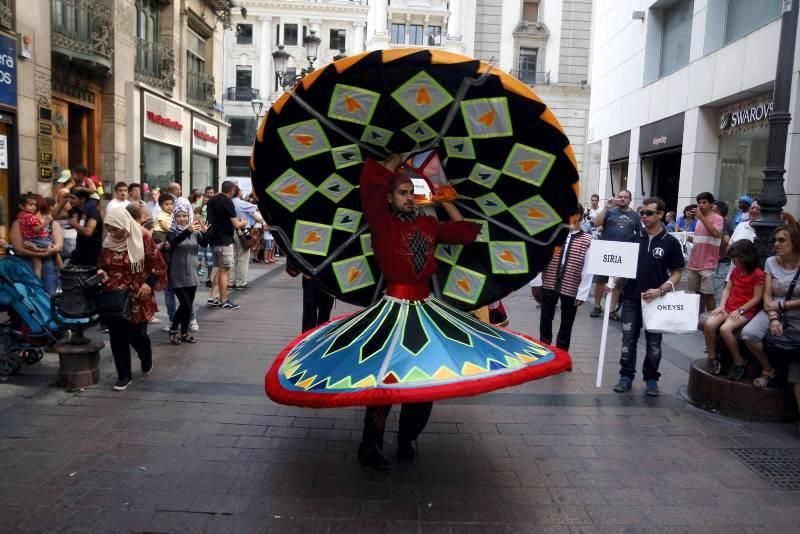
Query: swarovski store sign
{"x": 747, "y": 115}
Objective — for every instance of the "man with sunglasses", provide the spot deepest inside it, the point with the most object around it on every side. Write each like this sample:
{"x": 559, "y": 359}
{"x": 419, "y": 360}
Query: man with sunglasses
{"x": 658, "y": 271}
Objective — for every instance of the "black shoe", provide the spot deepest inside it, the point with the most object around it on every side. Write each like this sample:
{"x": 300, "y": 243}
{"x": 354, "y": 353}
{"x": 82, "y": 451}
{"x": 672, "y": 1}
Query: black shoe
{"x": 370, "y": 456}
{"x": 405, "y": 452}
{"x": 208, "y": 283}
{"x": 122, "y": 384}
{"x": 715, "y": 367}
{"x": 186, "y": 338}
{"x": 147, "y": 369}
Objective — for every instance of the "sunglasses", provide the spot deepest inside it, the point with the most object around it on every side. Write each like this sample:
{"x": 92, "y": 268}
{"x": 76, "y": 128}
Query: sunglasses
{"x": 647, "y": 213}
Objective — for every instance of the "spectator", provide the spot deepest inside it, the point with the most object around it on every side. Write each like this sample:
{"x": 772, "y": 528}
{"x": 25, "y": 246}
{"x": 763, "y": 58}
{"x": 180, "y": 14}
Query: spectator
{"x": 208, "y": 194}
{"x": 565, "y": 278}
{"x": 740, "y": 301}
{"x": 85, "y": 218}
{"x": 135, "y": 194}
{"x": 166, "y": 206}
{"x": 120, "y": 199}
{"x": 142, "y": 216}
{"x": 152, "y": 203}
{"x": 35, "y": 225}
{"x": 590, "y": 214}
{"x": 130, "y": 261}
{"x": 248, "y": 212}
{"x": 658, "y": 271}
{"x": 3, "y": 233}
{"x": 174, "y": 189}
{"x": 723, "y": 267}
{"x": 743, "y": 213}
{"x": 687, "y": 221}
{"x": 744, "y": 230}
{"x": 269, "y": 245}
{"x": 619, "y": 223}
{"x": 672, "y": 225}
{"x": 780, "y": 270}
{"x": 80, "y": 176}
{"x": 704, "y": 257}
{"x": 223, "y": 222}
{"x": 47, "y": 257}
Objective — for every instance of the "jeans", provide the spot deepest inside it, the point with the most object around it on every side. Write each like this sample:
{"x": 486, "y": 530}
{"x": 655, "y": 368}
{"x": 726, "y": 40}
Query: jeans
{"x": 631, "y": 328}
{"x": 568, "y": 311}
{"x": 184, "y": 312}
{"x": 413, "y": 418}
{"x": 317, "y": 304}
{"x": 49, "y": 274}
{"x": 123, "y": 335}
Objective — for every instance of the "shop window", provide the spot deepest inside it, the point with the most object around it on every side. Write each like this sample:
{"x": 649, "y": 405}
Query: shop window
{"x": 290, "y": 34}
{"x": 744, "y": 16}
{"x": 242, "y": 131}
{"x": 676, "y": 36}
{"x": 238, "y": 166}
{"x": 244, "y": 34}
{"x": 338, "y": 39}
{"x": 415, "y": 34}
{"x": 434, "y": 36}
{"x": 530, "y": 11}
{"x": 398, "y": 35}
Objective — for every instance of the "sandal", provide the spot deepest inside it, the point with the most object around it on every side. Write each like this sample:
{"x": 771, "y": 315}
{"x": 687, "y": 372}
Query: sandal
{"x": 186, "y": 338}
{"x": 174, "y": 338}
{"x": 614, "y": 317}
{"x": 597, "y": 311}
{"x": 765, "y": 378}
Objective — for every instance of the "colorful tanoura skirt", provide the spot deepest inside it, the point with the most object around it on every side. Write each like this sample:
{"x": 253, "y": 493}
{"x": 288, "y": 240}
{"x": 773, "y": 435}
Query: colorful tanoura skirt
{"x": 399, "y": 351}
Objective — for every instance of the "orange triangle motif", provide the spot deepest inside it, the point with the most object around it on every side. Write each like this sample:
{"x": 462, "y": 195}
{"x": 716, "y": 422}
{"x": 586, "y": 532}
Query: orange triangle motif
{"x": 464, "y": 284}
{"x": 304, "y": 139}
{"x": 353, "y": 274}
{"x": 423, "y": 96}
{"x": 533, "y": 213}
{"x": 352, "y": 104}
{"x": 508, "y": 257}
{"x": 312, "y": 237}
{"x": 291, "y": 190}
{"x": 487, "y": 119}
{"x": 527, "y": 165}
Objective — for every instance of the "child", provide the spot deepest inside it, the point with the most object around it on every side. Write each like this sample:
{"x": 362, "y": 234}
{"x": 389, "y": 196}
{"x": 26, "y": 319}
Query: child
{"x": 269, "y": 246}
{"x": 166, "y": 204}
{"x": 34, "y": 224}
{"x": 740, "y": 301}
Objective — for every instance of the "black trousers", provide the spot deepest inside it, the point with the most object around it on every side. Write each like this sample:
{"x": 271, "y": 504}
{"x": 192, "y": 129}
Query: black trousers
{"x": 413, "y": 418}
{"x": 123, "y": 335}
{"x": 317, "y": 304}
{"x": 183, "y": 314}
{"x": 568, "y": 310}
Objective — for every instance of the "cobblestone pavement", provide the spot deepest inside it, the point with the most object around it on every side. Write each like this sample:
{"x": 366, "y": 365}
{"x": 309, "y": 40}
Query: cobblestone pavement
{"x": 196, "y": 446}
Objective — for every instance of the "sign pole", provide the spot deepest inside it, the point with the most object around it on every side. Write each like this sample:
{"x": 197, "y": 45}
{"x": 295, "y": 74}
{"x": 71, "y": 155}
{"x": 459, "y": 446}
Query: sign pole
{"x": 604, "y": 336}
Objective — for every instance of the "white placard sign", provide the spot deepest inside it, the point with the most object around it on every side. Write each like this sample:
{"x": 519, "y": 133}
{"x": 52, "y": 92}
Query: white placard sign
{"x": 613, "y": 258}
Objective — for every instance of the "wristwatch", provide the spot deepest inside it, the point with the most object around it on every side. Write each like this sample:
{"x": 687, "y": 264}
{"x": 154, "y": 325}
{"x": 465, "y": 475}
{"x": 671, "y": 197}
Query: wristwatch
{"x": 741, "y": 311}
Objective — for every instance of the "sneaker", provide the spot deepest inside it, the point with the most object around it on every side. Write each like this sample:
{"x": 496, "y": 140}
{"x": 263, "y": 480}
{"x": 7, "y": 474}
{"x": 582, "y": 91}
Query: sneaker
{"x": 715, "y": 366}
{"x": 370, "y": 456}
{"x": 215, "y": 302}
{"x": 243, "y": 287}
{"x": 155, "y": 320}
{"x": 147, "y": 369}
{"x": 624, "y": 384}
{"x": 230, "y": 306}
{"x": 104, "y": 330}
{"x": 405, "y": 452}
{"x": 193, "y": 326}
{"x": 122, "y": 384}
{"x": 652, "y": 388}
{"x": 165, "y": 328}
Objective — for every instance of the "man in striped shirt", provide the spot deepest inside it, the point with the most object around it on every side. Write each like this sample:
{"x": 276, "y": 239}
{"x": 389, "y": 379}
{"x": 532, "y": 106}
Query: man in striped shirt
{"x": 704, "y": 258}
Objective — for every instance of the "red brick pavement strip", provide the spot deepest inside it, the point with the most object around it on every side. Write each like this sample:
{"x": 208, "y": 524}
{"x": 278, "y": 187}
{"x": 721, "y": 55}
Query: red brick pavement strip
{"x": 196, "y": 446}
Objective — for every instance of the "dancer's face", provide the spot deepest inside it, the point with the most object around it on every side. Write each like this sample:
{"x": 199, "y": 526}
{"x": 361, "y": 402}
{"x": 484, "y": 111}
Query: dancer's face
{"x": 402, "y": 198}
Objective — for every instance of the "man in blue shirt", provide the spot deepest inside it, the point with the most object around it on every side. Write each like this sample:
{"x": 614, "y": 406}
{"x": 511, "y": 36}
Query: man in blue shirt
{"x": 248, "y": 212}
{"x": 658, "y": 271}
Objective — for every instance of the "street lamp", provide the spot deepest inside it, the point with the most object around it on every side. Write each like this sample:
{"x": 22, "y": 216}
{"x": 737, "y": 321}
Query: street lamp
{"x": 281, "y": 59}
{"x": 257, "y": 105}
{"x": 311, "y": 42}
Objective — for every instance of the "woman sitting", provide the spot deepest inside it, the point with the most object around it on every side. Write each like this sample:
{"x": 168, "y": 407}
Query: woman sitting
{"x": 130, "y": 262}
{"x": 740, "y": 302}
{"x": 779, "y": 312}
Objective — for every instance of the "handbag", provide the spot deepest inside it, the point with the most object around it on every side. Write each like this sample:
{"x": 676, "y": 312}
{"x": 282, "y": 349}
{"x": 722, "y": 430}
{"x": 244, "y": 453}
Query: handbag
{"x": 114, "y": 304}
{"x": 674, "y": 313}
{"x": 247, "y": 239}
{"x": 790, "y": 340}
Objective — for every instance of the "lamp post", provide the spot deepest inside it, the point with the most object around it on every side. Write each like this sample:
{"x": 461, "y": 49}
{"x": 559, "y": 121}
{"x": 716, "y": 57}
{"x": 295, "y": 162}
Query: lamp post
{"x": 311, "y": 42}
{"x": 281, "y": 58}
{"x": 773, "y": 195}
{"x": 340, "y": 55}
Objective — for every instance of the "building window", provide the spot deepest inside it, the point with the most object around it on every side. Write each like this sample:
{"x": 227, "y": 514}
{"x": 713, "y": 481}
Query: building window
{"x": 434, "y": 36}
{"x": 244, "y": 34}
{"x": 338, "y": 39}
{"x": 238, "y": 166}
{"x": 415, "y": 34}
{"x": 528, "y": 58}
{"x": 242, "y": 131}
{"x": 530, "y": 11}
{"x": 744, "y": 16}
{"x": 244, "y": 77}
{"x": 277, "y": 34}
{"x": 676, "y": 36}
{"x": 147, "y": 20}
{"x": 196, "y": 50}
{"x": 398, "y": 34}
{"x": 290, "y": 34}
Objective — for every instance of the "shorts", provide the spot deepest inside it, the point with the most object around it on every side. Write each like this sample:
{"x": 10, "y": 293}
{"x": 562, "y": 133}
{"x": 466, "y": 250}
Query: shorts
{"x": 269, "y": 243}
{"x": 700, "y": 281}
{"x": 222, "y": 256}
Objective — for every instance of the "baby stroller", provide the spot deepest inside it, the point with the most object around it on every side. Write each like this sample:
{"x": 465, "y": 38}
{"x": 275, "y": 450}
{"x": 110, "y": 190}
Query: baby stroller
{"x": 33, "y": 324}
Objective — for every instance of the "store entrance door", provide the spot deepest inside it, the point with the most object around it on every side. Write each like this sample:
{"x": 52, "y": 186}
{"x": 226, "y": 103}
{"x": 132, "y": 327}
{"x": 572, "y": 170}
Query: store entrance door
{"x": 667, "y": 177}
{"x": 73, "y": 135}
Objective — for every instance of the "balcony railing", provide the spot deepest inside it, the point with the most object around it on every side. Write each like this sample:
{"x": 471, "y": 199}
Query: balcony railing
{"x": 155, "y": 64}
{"x": 200, "y": 89}
{"x": 83, "y": 30}
{"x": 6, "y": 14}
{"x": 532, "y": 77}
{"x": 242, "y": 94}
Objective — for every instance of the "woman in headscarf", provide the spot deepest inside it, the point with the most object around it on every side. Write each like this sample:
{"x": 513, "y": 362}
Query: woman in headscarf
{"x": 183, "y": 242}
{"x": 130, "y": 261}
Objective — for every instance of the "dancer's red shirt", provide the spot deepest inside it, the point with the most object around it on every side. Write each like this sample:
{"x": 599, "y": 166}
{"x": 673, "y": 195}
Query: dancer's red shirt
{"x": 393, "y": 238}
